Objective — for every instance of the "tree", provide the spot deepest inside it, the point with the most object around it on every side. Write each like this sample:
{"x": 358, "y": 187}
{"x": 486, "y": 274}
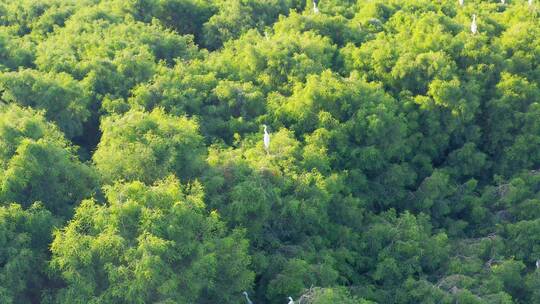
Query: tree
{"x": 522, "y": 239}
{"x": 63, "y": 99}
{"x": 121, "y": 55}
{"x": 149, "y": 146}
{"x": 366, "y": 136}
{"x": 25, "y": 236}
{"x": 403, "y": 164}
{"x": 228, "y": 107}
{"x": 15, "y": 52}
{"x": 235, "y": 18}
{"x": 329, "y": 296}
{"x": 38, "y": 164}
{"x": 401, "y": 247}
{"x": 150, "y": 244}
{"x": 184, "y": 16}
{"x": 276, "y": 64}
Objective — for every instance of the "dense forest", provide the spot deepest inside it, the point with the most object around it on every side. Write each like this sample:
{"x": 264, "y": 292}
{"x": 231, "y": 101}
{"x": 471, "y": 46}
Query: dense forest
{"x": 248, "y": 151}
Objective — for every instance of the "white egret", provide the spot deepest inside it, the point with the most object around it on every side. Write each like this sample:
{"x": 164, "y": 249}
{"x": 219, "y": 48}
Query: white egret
{"x": 537, "y": 264}
{"x": 247, "y": 298}
{"x": 266, "y": 139}
{"x": 460, "y": 2}
{"x": 290, "y": 301}
{"x": 503, "y": 1}
{"x": 530, "y": 2}
{"x": 474, "y": 27}
{"x": 316, "y": 6}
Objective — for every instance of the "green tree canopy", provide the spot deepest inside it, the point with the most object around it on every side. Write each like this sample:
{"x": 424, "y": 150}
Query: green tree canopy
{"x": 149, "y": 146}
{"x": 403, "y": 163}
{"x": 38, "y": 164}
{"x": 63, "y": 99}
{"x": 150, "y": 244}
{"x": 25, "y": 236}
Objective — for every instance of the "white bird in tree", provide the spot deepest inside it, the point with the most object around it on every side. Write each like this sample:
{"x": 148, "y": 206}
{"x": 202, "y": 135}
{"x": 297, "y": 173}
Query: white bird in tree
{"x": 247, "y": 298}
{"x": 266, "y": 139}
{"x": 537, "y": 264}
{"x": 316, "y": 6}
{"x": 503, "y": 1}
{"x": 290, "y": 300}
{"x": 474, "y": 27}
{"x": 530, "y": 2}
{"x": 460, "y": 2}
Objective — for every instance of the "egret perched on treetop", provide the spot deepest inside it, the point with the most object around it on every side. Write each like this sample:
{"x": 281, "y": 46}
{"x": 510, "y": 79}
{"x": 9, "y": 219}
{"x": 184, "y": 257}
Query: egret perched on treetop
{"x": 247, "y": 298}
{"x": 460, "y": 2}
{"x": 266, "y": 139}
{"x": 290, "y": 301}
{"x": 474, "y": 27}
{"x": 315, "y": 6}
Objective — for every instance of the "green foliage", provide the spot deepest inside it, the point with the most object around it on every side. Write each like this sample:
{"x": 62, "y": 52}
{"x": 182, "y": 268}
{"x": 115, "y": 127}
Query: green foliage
{"x": 330, "y": 296}
{"x": 110, "y": 66}
{"x": 62, "y": 99}
{"x": 274, "y": 64}
{"x": 236, "y": 17}
{"x": 38, "y": 164}
{"x": 15, "y": 51}
{"x": 25, "y": 236}
{"x": 402, "y": 165}
{"x": 225, "y": 107}
{"x": 402, "y": 248}
{"x": 149, "y": 146}
{"x": 150, "y": 244}
{"x": 184, "y": 16}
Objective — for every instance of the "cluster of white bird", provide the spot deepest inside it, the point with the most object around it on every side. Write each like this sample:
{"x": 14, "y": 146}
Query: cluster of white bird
{"x": 266, "y": 137}
{"x": 291, "y": 301}
{"x": 474, "y": 30}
